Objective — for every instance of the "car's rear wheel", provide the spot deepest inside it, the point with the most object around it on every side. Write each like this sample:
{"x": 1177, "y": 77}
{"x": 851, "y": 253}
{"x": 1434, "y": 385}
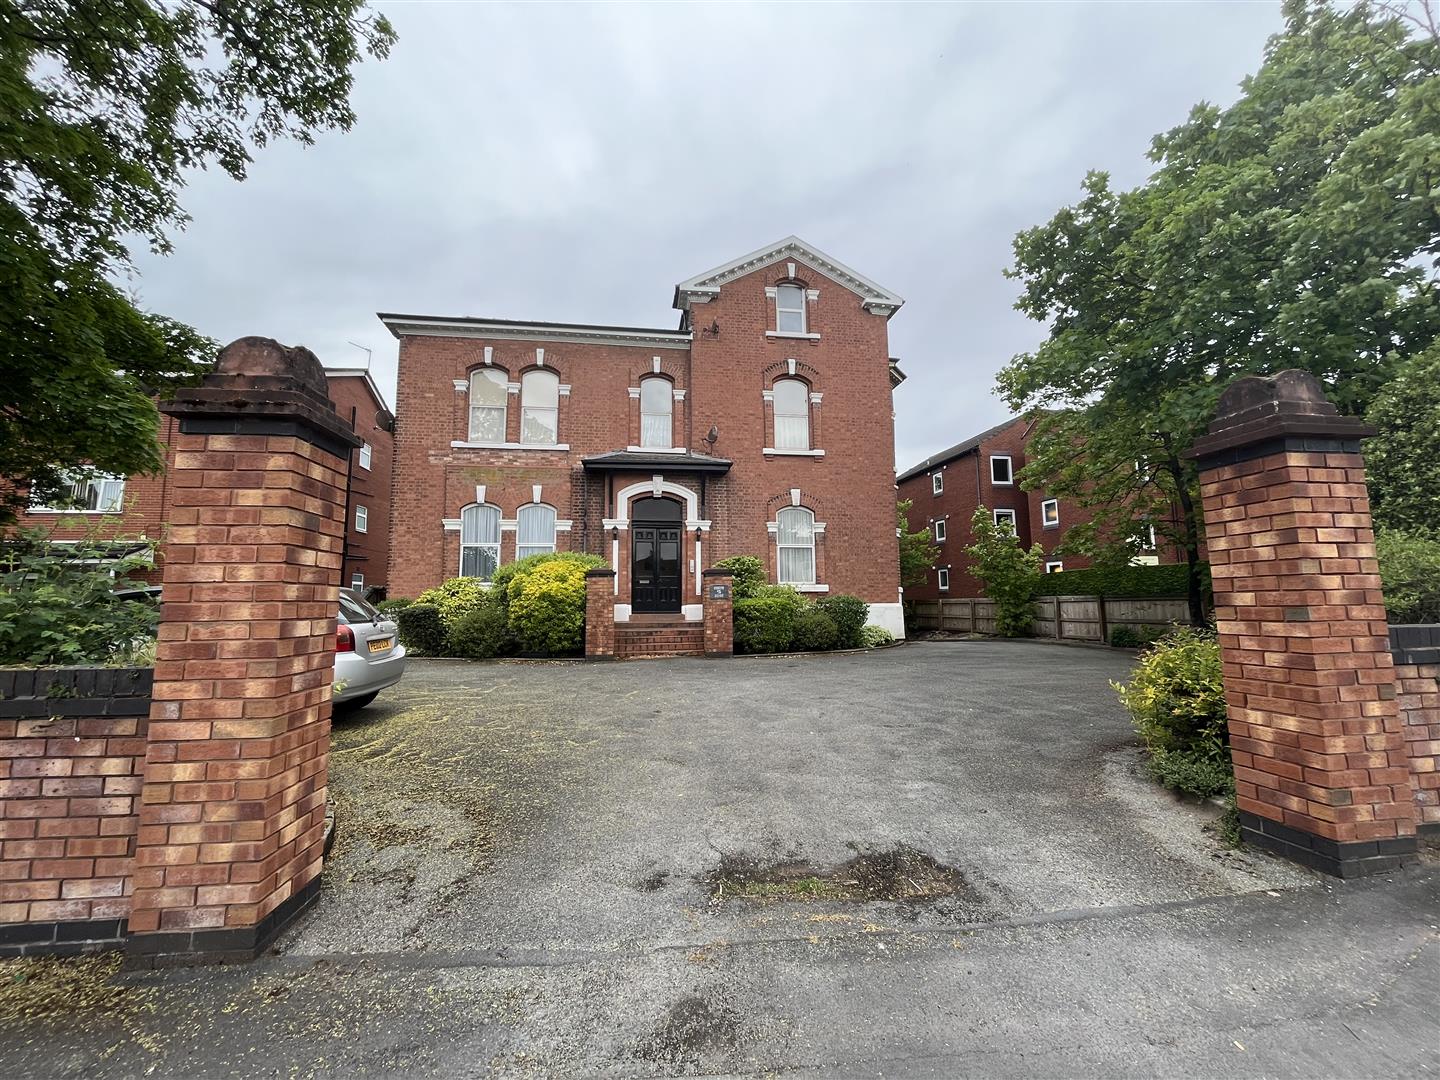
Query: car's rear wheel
{"x": 357, "y": 702}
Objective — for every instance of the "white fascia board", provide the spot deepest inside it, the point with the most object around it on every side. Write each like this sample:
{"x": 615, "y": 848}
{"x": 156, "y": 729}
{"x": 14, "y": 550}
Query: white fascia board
{"x": 578, "y": 335}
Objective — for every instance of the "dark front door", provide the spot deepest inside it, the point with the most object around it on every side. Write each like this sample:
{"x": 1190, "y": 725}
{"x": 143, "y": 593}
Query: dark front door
{"x": 654, "y": 567}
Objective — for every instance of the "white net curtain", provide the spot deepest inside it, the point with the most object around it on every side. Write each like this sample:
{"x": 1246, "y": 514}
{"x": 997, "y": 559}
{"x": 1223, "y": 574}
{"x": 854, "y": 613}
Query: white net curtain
{"x": 656, "y": 402}
{"x": 792, "y": 415}
{"x": 479, "y": 541}
{"x": 540, "y": 408}
{"x": 487, "y": 406}
{"x": 535, "y": 531}
{"x": 795, "y": 535}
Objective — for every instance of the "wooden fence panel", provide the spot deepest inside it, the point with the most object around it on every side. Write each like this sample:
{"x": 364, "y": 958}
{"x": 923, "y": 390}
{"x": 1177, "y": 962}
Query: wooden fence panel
{"x": 1059, "y": 618}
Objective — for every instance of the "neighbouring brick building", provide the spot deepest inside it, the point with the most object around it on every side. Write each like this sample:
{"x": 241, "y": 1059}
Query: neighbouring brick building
{"x": 139, "y": 507}
{"x": 945, "y": 489}
{"x": 762, "y": 425}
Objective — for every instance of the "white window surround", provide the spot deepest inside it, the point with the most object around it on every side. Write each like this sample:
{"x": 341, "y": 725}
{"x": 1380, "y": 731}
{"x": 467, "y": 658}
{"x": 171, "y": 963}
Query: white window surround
{"x": 656, "y": 485}
{"x": 1050, "y": 513}
{"x": 790, "y": 313}
{"x": 458, "y": 445}
{"x": 535, "y": 526}
{"x": 942, "y": 578}
{"x": 97, "y": 493}
{"x": 357, "y": 580}
{"x": 362, "y": 519}
{"x": 479, "y": 527}
{"x": 939, "y": 529}
{"x": 1009, "y": 516}
{"x": 790, "y": 406}
{"x": 795, "y": 530}
{"x": 1009, "y": 479}
{"x": 937, "y": 483}
{"x": 366, "y": 455}
{"x": 1054, "y": 566}
{"x": 657, "y": 413}
{"x": 791, "y": 453}
{"x": 489, "y": 397}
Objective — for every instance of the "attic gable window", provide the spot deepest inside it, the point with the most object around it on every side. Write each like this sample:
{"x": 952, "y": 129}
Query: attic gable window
{"x": 790, "y": 309}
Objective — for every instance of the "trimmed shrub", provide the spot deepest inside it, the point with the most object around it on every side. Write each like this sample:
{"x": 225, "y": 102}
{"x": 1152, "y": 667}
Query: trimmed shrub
{"x": 500, "y": 581}
{"x": 1409, "y": 575}
{"x": 547, "y": 606}
{"x": 1120, "y": 581}
{"x": 421, "y": 629}
{"x": 481, "y": 634}
{"x": 389, "y": 607}
{"x": 815, "y": 630}
{"x": 1177, "y": 701}
{"x": 766, "y": 623}
{"x": 849, "y": 614}
{"x": 748, "y": 575}
{"x": 872, "y": 637}
{"x": 454, "y": 598}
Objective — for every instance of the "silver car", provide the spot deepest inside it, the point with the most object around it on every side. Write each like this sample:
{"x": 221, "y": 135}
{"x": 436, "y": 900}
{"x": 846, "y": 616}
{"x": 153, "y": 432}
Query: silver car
{"x": 368, "y": 654}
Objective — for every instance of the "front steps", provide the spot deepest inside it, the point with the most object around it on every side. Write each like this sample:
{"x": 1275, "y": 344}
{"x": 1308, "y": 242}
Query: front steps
{"x": 650, "y": 636}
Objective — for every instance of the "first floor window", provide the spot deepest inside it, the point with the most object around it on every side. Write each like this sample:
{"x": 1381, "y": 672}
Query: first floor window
{"x": 1005, "y": 517}
{"x": 535, "y": 530}
{"x": 540, "y": 408}
{"x": 1000, "y": 471}
{"x": 479, "y": 541}
{"x": 357, "y": 581}
{"x": 795, "y": 538}
{"x": 657, "y": 400}
{"x": 944, "y": 578}
{"x": 1050, "y": 513}
{"x": 365, "y": 456}
{"x": 98, "y": 493}
{"x": 937, "y": 483}
{"x": 488, "y": 397}
{"x": 940, "y": 532}
{"x": 1054, "y": 566}
{"x": 362, "y": 519}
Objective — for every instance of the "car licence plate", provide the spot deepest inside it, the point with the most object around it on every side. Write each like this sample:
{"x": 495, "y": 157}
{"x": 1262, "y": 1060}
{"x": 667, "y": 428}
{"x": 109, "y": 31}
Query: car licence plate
{"x": 381, "y": 646}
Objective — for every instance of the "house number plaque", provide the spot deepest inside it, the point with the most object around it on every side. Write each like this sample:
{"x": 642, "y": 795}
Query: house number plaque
{"x": 719, "y": 592}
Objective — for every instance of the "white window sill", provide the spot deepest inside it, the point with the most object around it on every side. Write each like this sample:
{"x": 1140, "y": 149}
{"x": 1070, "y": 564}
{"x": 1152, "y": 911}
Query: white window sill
{"x": 655, "y": 449}
{"x": 87, "y": 513}
{"x": 793, "y": 453}
{"x": 792, "y": 335}
{"x": 1002, "y": 483}
{"x": 508, "y": 446}
{"x": 809, "y": 588}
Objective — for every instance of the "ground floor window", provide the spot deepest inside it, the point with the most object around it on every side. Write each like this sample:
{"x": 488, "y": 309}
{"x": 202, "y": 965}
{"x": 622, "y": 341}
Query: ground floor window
{"x": 479, "y": 541}
{"x": 97, "y": 493}
{"x": 357, "y": 581}
{"x": 535, "y": 527}
{"x": 795, "y": 539}
{"x": 943, "y": 576}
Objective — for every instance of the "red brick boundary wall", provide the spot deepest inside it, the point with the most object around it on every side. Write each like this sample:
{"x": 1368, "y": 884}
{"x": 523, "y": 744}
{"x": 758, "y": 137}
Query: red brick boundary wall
{"x": 72, "y": 745}
{"x": 1416, "y": 650}
{"x": 232, "y": 818}
{"x": 1321, "y": 768}
{"x": 600, "y": 614}
{"x": 719, "y": 613}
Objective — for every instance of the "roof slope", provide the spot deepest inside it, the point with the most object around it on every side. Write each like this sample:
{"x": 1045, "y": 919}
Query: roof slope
{"x": 958, "y": 450}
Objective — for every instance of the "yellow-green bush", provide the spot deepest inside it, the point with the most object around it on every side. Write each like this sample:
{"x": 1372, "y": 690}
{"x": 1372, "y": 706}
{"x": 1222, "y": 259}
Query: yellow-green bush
{"x": 454, "y": 598}
{"x": 547, "y": 607}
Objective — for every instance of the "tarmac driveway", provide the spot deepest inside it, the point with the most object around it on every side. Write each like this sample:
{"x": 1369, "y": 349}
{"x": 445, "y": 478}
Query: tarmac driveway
{"x": 939, "y": 859}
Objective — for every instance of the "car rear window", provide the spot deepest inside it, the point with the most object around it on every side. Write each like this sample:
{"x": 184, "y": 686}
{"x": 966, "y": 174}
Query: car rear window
{"x": 354, "y": 611}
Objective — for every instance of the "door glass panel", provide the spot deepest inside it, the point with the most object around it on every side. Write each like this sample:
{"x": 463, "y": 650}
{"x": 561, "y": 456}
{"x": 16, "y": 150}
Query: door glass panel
{"x": 669, "y": 559}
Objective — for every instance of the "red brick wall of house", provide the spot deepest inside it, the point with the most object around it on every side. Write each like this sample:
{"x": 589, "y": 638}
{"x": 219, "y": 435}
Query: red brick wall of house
{"x": 366, "y": 553}
{"x": 724, "y": 377}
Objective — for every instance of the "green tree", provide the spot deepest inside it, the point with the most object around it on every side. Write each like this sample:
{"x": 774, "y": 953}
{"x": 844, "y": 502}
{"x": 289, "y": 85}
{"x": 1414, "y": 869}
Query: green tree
{"x": 103, "y": 110}
{"x": 917, "y": 553}
{"x": 1008, "y": 572}
{"x": 1403, "y": 460}
{"x": 1296, "y": 228}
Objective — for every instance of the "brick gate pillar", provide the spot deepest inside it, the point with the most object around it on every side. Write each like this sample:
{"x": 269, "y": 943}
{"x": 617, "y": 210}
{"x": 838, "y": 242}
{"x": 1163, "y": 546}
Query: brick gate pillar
{"x": 600, "y": 614}
{"x": 232, "y": 818}
{"x": 1320, "y": 763}
{"x": 719, "y": 613}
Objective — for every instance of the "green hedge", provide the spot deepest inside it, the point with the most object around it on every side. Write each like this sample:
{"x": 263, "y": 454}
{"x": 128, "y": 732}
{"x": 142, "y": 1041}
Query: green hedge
{"x": 767, "y": 623}
{"x": 1148, "y": 581}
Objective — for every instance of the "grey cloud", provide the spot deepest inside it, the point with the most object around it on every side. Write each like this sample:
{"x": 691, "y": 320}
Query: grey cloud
{"x": 572, "y": 163}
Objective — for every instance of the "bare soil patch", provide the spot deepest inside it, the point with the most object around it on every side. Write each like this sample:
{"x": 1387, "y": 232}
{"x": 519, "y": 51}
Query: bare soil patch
{"x": 899, "y": 875}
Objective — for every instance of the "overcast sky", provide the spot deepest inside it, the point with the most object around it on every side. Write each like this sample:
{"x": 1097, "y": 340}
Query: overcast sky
{"x": 573, "y": 163}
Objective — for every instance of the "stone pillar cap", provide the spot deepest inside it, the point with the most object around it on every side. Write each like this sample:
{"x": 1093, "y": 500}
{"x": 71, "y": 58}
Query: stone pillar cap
{"x": 1259, "y": 409}
{"x": 259, "y": 386}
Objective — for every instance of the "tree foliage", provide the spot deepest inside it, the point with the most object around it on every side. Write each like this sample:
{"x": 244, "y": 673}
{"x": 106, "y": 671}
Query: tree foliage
{"x": 917, "y": 552}
{"x": 1403, "y": 460}
{"x": 1008, "y": 572}
{"x": 1298, "y": 227}
{"x": 103, "y": 110}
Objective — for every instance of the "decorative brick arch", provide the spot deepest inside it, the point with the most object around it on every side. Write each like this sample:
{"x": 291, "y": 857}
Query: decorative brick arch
{"x": 782, "y": 369}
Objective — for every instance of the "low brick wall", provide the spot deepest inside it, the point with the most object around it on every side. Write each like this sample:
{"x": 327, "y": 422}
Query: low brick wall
{"x": 1417, "y": 690}
{"x": 72, "y": 748}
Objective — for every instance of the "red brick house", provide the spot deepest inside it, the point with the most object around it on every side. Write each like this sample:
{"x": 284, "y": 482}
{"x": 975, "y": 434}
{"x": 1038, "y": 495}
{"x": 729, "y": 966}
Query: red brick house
{"x": 138, "y": 507}
{"x": 945, "y": 489}
{"x": 761, "y": 425}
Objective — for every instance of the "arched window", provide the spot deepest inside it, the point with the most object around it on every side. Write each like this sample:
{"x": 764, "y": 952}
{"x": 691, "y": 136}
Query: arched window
{"x": 795, "y": 538}
{"x": 540, "y": 408}
{"x": 535, "y": 525}
{"x": 487, "y": 405}
{"x": 790, "y": 309}
{"x": 479, "y": 541}
{"x": 656, "y": 403}
{"x": 792, "y": 415}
